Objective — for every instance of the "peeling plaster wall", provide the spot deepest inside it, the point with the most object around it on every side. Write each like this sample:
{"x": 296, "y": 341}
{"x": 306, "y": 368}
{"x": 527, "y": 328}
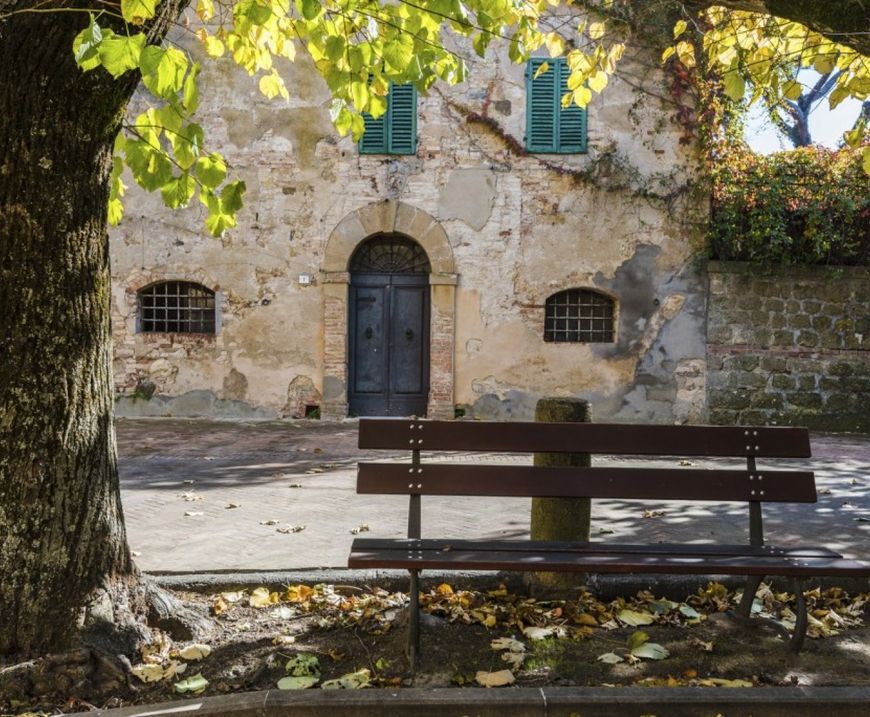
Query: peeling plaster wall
{"x": 520, "y": 228}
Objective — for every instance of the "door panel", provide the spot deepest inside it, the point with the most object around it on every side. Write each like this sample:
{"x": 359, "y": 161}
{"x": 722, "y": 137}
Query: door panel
{"x": 407, "y": 344}
{"x": 369, "y": 304}
{"x": 388, "y": 348}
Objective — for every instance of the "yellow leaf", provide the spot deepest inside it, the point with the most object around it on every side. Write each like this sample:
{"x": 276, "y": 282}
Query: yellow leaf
{"x": 555, "y": 44}
{"x": 866, "y": 160}
{"x": 680, "y": 28}
{"x": 792, "y": 90}
{"x": 669, "y": 51}
{"x": 686, "y": 53}
{"x": 272, "y": 86}
{"x": 261, "y": 597}
{"x": 597, "y": 30}
{"x": 587, "y": 619}
{"x": 495, "y": 679}
{"x": 598, "y": 81}
{"x": 299, "y": 593}
{"x": 194, "y": 652}
{"x": 213, "y": 46}
{"x": 444, "y": 589}
{"x": 634, "y": 618}
{"x": 205, "y": 10}
{"x": 582, "y": 95}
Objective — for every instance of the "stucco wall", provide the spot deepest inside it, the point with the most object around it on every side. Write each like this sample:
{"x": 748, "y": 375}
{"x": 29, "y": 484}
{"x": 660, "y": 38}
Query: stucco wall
{"x": 624, "y": 219}
{"x": 789, "y": 346}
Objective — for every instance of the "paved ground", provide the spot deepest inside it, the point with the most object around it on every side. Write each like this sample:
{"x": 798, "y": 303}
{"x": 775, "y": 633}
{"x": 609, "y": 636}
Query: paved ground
{"x": 180, "y": 477}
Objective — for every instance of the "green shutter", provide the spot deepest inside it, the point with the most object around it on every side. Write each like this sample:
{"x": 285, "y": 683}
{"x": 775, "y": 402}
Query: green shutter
{"x": 572, "y": 119}
{"x": 549, "y": 128}
{"x": 395, "y": 131}
{"x": 403, "y": 120}
{"x": 374, "y": 140}
{"x": 540, "y": 107}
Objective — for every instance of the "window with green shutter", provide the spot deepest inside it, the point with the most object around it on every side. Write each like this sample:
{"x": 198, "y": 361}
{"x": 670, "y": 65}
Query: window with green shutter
{"x": 549, "y": 128}
{"x": 395, "y": 131}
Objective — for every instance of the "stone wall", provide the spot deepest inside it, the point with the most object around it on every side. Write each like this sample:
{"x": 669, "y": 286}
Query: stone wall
{"x": 789, "y": 346}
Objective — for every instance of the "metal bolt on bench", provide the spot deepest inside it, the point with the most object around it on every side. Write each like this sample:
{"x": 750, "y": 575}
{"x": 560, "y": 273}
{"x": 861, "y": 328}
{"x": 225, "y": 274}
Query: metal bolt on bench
{"x": 755, "y": 560}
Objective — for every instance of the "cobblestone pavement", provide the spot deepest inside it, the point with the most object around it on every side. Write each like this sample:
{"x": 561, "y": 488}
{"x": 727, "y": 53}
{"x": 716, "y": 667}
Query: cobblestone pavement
{"x": 202, "y": 495}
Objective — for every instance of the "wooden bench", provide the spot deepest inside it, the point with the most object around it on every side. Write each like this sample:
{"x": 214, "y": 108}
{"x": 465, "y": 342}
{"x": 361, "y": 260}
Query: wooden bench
{"x": 752, "y": 485}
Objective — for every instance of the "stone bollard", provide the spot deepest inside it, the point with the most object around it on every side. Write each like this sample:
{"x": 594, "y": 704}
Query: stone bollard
{"x": 560, "y": 518}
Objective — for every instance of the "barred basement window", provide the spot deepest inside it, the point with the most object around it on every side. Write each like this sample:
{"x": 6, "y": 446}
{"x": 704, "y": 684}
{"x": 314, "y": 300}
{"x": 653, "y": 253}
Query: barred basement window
{"x": 579, "y": 315}
{"x": 177, "y": 306}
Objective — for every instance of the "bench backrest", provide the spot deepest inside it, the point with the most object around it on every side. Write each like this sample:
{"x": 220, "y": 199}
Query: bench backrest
{"x": 751, "y": 484}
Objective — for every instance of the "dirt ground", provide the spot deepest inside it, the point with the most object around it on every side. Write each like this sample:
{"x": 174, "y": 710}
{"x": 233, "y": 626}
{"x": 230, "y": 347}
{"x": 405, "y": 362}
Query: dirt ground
{"x": 356, "y": 637}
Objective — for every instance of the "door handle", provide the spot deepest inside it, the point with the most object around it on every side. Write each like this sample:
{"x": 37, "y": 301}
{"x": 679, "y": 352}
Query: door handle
{"x": 369, "y": 333}
{"x": 409, "y": 334}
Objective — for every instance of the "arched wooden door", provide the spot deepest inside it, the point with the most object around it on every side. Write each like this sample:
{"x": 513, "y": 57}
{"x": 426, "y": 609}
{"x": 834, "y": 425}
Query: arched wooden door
{"x": 388, "y": 332}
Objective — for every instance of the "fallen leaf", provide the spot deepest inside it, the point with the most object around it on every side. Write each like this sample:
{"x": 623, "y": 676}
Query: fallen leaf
{"x": 538, "y": 633}
{"x": 194, "y": 685}
{"x": 633, "y": 618}
{"x": 288, "y": 529}
{"x": 495, "y": 679}
{"x": 650, "y": 651}
{"x": 586, "y": 619}
{"x": 364, "y": 528}
{"x": 148, "y": 672}
{"x": 351, "y": 681}
{"x": 295, "y": 485}
{"x": 611, "y": 658}
{"x": 194, "y": 652}
{"x": 689, "y": 612}
{"x": 192, "y": 513}
{"x": 190, "y": 496}
{"x": 507, "y": 643}
{"x": 653, "y": 513}
{"x": 636, "y": 639}
{"x": 705, "y": 646}
{"x": 303, "y": 682}
{"x": 269, "y": 521}
{"x": 233, "y": 596}
{"x": 303, "y": 664}
{"x": 718, "y": 682}
{"x": 261, "y": 597}
{"x": 230, "y": 506}
{"x": 687, "y": 463}
{"x": 605, "y": 531}
{"x": 282, "y": 613}
{"x": 284, "y": 640}
{"x": 299, "y": 593}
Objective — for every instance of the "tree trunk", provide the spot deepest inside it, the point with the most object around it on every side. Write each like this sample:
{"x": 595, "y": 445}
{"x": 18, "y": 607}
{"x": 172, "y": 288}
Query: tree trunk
{"x": 61, "y": 525}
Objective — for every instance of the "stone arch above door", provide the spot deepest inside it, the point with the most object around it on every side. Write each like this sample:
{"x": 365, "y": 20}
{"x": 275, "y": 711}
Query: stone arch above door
{"x": 388, "y": 217}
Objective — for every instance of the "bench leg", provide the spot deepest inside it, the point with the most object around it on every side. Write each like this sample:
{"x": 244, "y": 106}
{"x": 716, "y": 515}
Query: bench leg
{"x": 800, "y": 625}
{"x": 414, "y": 620}
{"x": 743, "y": 613}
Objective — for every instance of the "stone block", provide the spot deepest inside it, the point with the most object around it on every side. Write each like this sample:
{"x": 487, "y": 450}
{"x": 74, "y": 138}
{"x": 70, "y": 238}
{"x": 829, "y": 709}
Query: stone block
{"x": 799, "y": 321}
{"x": 804, "y": 399}
{"x": 774, "y": 305}
{"x": 841, "y": 368}
{"x": 821, "y": 322}
{"x": 810, "y": 339}
{"x": 782, "y": 381}
{"x": 807, "y": 381}
{"x": 811, "y": 306}
{"x": 774, "y": 364}
{"x": 782, "y": 338}
{"x": 766, "y": 400}
{"x": 727, "y": 398}
{"x": 723, "y": 417}
{"x": 754, "y": 417}
{"x": 830, "y": 339}
{"x": 792, "y": 306}
{"x": 777, "y": 321}
{"x": 748, "y": 379}
{"x": 741, "y": 362}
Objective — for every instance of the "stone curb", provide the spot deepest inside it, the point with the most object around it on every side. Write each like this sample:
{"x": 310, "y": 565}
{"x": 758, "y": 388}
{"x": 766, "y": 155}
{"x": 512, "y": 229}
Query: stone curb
{"x": 522, "y": 702}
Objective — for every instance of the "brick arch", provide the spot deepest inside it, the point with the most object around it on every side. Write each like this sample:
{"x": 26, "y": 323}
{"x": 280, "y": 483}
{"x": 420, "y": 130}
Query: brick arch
{"x": 388, "y": 217}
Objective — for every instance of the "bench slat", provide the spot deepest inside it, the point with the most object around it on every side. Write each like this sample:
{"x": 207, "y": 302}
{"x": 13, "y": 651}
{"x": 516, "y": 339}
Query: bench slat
{"x": 395, "y": 554}
{"x": 597, "y": 547}
{"x": 605, "y": 482}
{"x": 600, "y": 438}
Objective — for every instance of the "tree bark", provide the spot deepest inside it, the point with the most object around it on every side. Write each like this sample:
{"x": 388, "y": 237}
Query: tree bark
{"x": 62, "y": 531}
{"x": 843, "y": 21}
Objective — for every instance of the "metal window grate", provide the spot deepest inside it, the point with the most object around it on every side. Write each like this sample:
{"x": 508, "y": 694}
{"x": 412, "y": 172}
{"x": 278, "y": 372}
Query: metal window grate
{"x": 177, "y": 306}
{"x": 579, "y": 315}
{"x": 390, "y": 254}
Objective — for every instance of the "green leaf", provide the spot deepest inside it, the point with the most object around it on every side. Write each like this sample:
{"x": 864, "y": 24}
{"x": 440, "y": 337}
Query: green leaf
{"x": 792, "y": 90}
{"x": 359, "y": 92}
{"x": 211, "y": 170}
{"x": 334, "y": 48}
{"x": 231, "y": 196}
{"x": 86, "y": 45}
{"x": 689, "y": 612}
{"x": 297, "y": 683}
{"x": 303, "y": 664}
{"x": 636, "y": 639}
{"x": 178, "y": 191}
{"x": 399, "y": 52}
{"x": 120, "y": 53}
{"x": 194, "y": 685}
{"x": 352, "y": 681}
{"x": 866, "y": 160}
{"x": 633, "y": 618}
{"x": 310, "y": 9}
{"x": 163, "y": 70}
{"x": 138, "y": 11}
{"x": 151, "y": 166}
{"x": 190, "y": 96}
{"x": 115, "y": 212}
{"x": 611, "y": 658}
{"x": 255, "y": 12}
{"x": 186, "y": 144}
{"x": 735, "y": 85}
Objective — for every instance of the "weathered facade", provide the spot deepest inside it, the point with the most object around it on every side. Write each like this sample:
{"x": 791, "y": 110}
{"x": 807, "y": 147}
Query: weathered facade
{"x": 502, "y": 229}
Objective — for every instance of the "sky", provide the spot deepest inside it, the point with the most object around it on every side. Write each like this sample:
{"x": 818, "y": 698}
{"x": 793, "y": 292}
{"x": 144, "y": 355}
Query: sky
{"x": 826, "y": 125}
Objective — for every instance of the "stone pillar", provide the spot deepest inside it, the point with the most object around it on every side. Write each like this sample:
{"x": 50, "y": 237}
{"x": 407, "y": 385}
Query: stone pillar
{"x": 335, "y": 288}
{"x": 442, "y": 332}
{"x": 560, "y": 518}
